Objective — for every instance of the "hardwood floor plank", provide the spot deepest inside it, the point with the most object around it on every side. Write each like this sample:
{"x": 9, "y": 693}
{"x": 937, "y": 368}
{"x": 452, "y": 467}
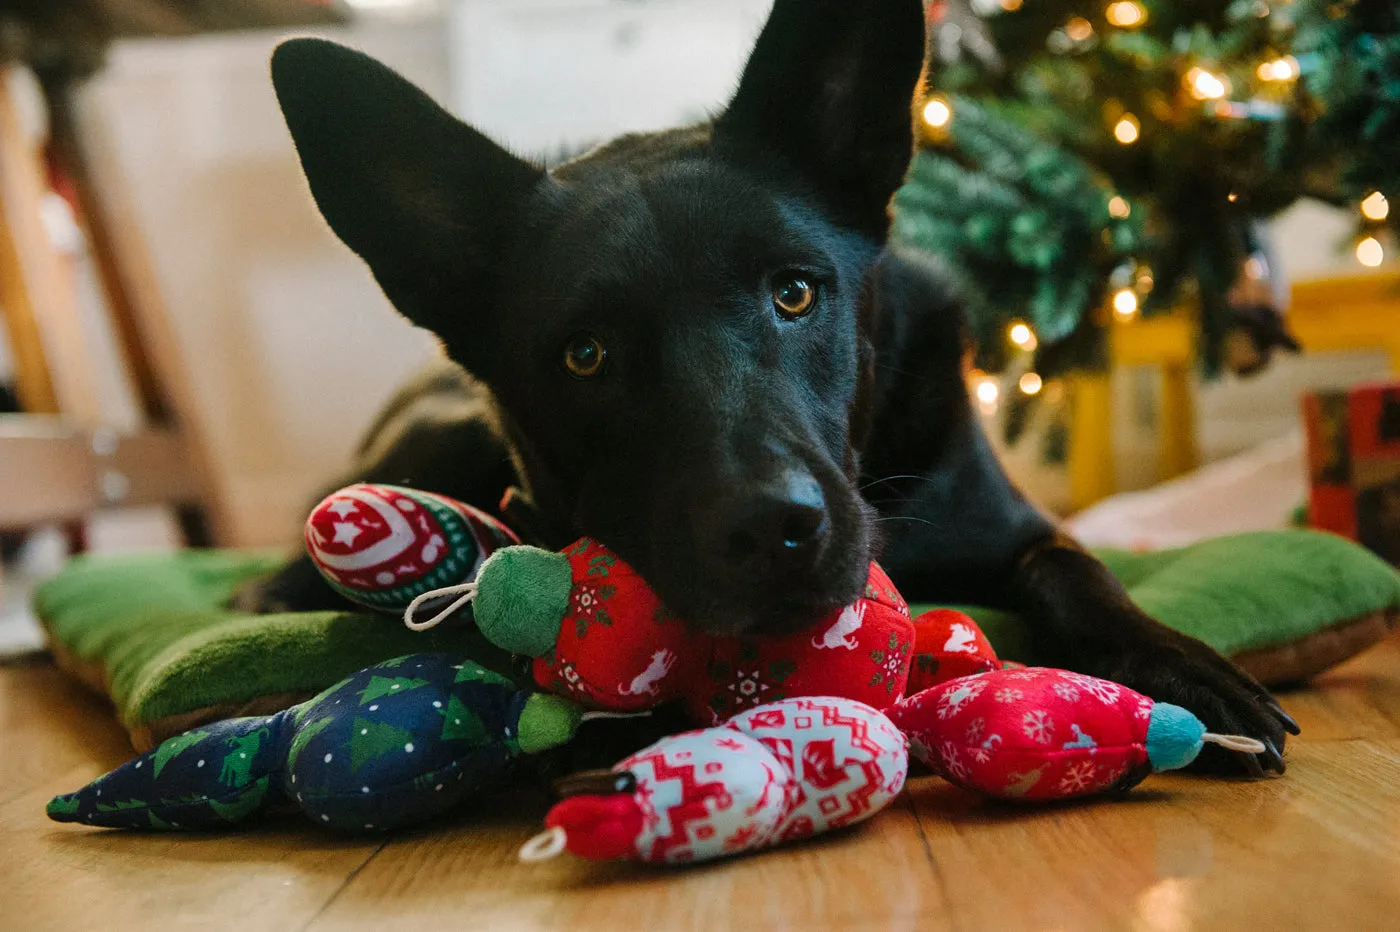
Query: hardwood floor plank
{"x": 48, "y": 725}
{"x": 67, "y": 877}
{"x": 1318, "y": 848}
{"x": 468, "y": 875}
{"x": 1359, "y": 699}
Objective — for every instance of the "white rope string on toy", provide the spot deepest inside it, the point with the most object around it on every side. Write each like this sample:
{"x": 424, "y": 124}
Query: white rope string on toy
{"x": 545, "y": 845}
{"x": 1235, "y": 743}
{"x": 466, "y": 591}
{"x": 594, "y": 716}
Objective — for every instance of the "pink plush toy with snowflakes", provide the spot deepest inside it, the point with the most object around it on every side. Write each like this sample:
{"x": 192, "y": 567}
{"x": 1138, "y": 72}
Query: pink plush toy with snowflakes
{"x": 776, "y": 773}
{"x": 1043, "y": 734}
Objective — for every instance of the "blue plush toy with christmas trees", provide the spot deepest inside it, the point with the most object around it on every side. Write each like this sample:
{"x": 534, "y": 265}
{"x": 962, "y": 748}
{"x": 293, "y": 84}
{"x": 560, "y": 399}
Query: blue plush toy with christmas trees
{"x": 392, "y": 745}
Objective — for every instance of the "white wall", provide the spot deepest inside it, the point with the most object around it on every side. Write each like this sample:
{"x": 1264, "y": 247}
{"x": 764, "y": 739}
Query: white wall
{"x": 541, "y": 74}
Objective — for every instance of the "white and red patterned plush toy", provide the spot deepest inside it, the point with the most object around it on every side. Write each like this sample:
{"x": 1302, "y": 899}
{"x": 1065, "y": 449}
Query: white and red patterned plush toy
{"x": 1042, "y": 734}
{"x": 779, "y": 772}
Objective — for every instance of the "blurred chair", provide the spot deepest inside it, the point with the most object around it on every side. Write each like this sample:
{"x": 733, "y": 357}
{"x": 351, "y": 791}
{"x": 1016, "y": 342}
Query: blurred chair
{"x": 58, "y": 461}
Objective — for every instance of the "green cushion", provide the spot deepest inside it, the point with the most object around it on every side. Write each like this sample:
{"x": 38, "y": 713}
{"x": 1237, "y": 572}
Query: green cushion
{"x": 1244, "y": 593}
{"x": 152, "y": 633}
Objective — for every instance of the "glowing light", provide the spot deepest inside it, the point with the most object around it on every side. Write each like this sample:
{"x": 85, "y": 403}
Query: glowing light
{"x": 1375, "y": 207}
{"x": 988, "y": 392}
{"x": 1079, "y": 29}
{"x": 1127, "y": 129}
{"x": 1125, "y": 304}
{"x": 937, "y": 113}
{"x": 1011, "y": 6}
{"x": 1282, "y": 69}
{"x": 1232, "y": 197}
{"x": 1145, "y": 281}
{"x": 1206, "y": 86}
{"x": 1031, "y": 383}
{"x": 1119, "y": 207}
{"x": 1370, "y": 252}
{"x": 1023, "y": 336}
{"x": 1126, "y": 14}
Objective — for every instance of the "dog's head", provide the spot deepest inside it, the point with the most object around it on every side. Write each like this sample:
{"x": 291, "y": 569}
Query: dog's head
{"x": 671, "y": 323}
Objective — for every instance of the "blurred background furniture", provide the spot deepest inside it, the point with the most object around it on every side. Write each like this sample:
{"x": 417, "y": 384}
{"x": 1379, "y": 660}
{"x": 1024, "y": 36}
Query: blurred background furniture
{"x": 61, "y": 460}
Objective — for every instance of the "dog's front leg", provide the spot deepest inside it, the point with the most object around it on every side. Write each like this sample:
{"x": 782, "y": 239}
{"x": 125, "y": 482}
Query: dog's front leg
{"x": 1085, "y": 621}
{"x": 961, "y": 532}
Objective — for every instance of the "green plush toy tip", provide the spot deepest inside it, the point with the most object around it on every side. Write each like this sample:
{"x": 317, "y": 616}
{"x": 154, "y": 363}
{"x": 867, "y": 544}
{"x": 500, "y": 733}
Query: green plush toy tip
{"x": 522, "y": 594}
{"x": 547, "y": 722}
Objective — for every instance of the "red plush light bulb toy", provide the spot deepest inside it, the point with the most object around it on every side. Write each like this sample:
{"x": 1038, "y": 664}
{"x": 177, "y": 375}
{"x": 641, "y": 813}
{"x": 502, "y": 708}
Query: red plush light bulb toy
{"x": 783, "y": 771}
{"x": 601, "y": 636}
{"x": 1043, "y": 734}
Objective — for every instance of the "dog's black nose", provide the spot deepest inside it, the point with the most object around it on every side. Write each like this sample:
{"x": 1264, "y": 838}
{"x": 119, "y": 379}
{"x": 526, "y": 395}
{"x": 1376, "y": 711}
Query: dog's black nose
{"x": 780, "y": 525}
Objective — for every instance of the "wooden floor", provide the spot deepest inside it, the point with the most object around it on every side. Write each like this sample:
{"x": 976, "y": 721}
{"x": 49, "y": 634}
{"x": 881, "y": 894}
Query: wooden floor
{"x": 1316, "y": 849}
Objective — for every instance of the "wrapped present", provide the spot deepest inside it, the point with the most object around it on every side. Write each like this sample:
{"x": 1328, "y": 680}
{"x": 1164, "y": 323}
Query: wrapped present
{"x": 1354, "y": 465}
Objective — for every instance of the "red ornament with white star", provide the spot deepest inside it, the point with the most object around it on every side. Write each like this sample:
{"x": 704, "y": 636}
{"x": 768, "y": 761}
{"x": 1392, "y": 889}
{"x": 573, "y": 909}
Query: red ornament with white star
{"x": 382, "y": 545}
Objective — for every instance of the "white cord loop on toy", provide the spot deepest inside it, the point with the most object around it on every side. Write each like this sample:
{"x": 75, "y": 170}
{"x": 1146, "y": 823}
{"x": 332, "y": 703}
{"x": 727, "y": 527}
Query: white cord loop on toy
{"x": 594, "y": 716}
{"x": 466, "y": 590}
{"x": 544, "y": 846}
{"x": 1235, "y": 743}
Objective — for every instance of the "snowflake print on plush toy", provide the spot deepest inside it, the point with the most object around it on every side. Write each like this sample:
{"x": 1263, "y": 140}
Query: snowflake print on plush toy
{"x": 1050, "y": 734}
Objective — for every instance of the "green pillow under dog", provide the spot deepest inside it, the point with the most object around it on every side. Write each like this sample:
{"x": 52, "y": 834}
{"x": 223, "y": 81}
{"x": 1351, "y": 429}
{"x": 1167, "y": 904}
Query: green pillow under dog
{"x": 151, "y": 632}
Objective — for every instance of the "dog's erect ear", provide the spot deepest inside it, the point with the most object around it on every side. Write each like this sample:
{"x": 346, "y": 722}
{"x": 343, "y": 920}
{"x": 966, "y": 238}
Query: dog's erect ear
{"x": 423, "y": 198}
{"x": 829, "y": 88}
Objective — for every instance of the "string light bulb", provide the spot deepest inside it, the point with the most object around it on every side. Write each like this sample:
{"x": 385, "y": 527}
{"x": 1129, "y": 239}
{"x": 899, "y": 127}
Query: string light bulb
{"x": 1125, "y": 304}
{"x": 1023, "y": 336}
{"x": 1079, "y": 29}
{"x": 988, "y": 394}
{"x": 1127, "y": 129}
{"x": 1031, "y": 383}
{"x": 938, "y": 113}
{"x": 1126, "y": 14}
{"x": 1205, "y": 85}
{"x": 1375, "y": 206}
{"x": 1280, "y": 69}
{"x": 1119, "y": 208}
{"x": 1370, "y": 252}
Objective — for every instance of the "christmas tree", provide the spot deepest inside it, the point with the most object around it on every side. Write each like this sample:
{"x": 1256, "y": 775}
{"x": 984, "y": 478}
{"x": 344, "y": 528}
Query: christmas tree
{"x": 1084, "y": 161}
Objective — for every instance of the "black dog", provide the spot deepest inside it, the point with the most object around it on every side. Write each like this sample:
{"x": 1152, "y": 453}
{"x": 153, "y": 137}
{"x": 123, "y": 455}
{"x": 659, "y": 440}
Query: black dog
{"x": 696, "y": 346}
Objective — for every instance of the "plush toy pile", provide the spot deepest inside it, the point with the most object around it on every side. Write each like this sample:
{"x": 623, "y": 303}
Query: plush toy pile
{"x": 808, "y": 731}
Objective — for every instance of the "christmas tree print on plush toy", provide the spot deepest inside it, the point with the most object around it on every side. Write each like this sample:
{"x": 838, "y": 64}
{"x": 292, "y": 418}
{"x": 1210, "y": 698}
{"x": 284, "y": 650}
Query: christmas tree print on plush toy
{"x": 393, "y": 745}
{"x": 382, "y": 545}
{"x": 777, "y": 773}
{"x": 602, "y": 637}
{"x": 1042, "y": 734}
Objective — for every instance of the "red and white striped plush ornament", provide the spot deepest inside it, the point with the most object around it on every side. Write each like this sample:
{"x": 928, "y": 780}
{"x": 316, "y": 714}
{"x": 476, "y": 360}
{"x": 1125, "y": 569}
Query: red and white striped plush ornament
{"x": 1039, "y": 734}
{"x": 381, "y": 545}
{"x": 779, "y": 772}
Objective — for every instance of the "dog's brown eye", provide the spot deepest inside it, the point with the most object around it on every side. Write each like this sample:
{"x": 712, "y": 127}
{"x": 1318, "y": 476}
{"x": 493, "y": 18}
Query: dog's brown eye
{"x": 793, "y": 296}
{"x": 584, "y": 356}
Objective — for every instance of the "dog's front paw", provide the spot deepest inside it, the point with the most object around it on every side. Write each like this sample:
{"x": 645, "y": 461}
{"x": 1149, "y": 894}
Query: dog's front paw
{"x": 1171, "y": 667}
